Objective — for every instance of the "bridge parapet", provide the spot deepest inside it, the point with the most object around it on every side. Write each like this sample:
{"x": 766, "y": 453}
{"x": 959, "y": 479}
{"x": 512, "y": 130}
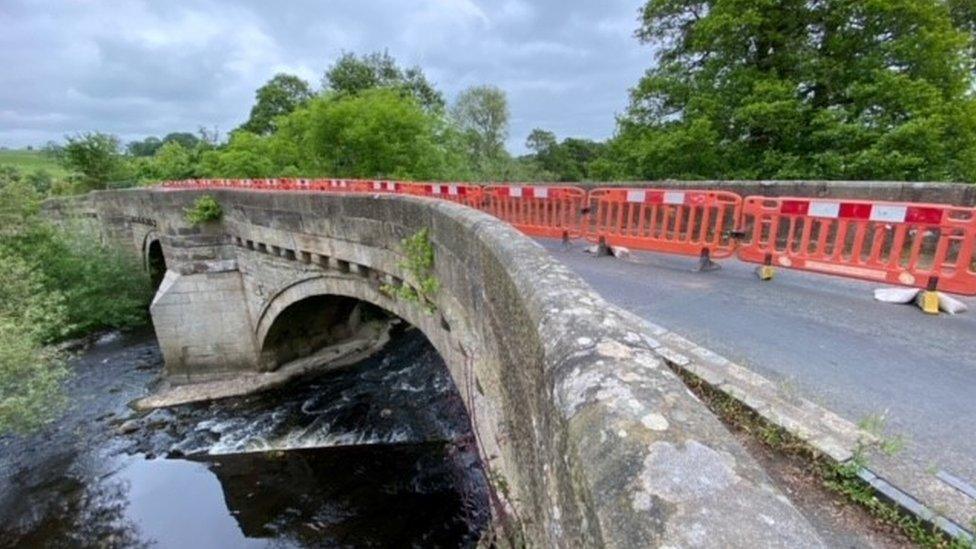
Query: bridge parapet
{"x": 587, "y": 438}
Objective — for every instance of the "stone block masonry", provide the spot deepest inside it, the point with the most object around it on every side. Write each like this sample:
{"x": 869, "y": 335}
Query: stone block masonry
{"x": 587, "y": 437}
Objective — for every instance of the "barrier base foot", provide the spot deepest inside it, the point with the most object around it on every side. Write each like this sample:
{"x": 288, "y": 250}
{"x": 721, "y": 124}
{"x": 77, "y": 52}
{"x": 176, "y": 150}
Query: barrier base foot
{"x": 765, "y": 272}
{"x": 599, "y": 250}
{"x": 705, "y": 263}
{"x": 603, "y": 249}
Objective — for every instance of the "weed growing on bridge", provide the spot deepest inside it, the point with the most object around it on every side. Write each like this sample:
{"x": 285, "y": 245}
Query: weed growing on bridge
{"x": 419, "y": 262}
{"x": 875, "y": 424}
{"x": 206, "y": 208}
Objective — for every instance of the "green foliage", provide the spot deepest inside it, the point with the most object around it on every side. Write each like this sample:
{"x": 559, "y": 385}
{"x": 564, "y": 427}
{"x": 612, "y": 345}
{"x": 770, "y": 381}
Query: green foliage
{"x": 144, "y": 148}
{"x": 375, "y": 133}
{"x": 30, "y": 380}
{"x": 481, "y": 115}
{"x": 185, "y": 139}
{"x": 54, "y": 283}
{"x": 30, "y": 375}
{"x": 19, "y": 200}
{"x": 102, "y": 287}
{"x": 793, "y": 89}
{"x": 278, "y": 97}
{"x": 96, "y": 156}
{"x": 570, "y": 160}
{"x": 353, "y": 74}
{"x": 26, "y": 301}
{"x": 204, "y": 209}
{"x": 246, "y": 156}
{"x": 174, "y": 161}
{"x": 419, "y": 263}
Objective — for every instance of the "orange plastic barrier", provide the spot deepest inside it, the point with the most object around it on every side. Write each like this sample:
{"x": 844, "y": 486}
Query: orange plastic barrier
{"x": 670, "y": 221}
{"x": 340, "y": 185}
{"x": 905, "y": 244}
{"x": 469, "y": 195}
{"x": 546, "y": 211}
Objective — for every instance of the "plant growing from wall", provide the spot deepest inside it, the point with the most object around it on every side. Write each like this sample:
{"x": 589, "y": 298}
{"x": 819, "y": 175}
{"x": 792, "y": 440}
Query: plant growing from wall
{"x": 419, "y": 262}
{"x": 205, "y": 209}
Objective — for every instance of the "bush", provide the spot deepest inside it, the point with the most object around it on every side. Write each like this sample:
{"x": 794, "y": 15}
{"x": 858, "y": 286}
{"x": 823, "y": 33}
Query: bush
{"x": 205, "y": 209}
{"x": 54, "y": 283}
{"x": 102, "y": 287}
{"x": 30, "y": 376}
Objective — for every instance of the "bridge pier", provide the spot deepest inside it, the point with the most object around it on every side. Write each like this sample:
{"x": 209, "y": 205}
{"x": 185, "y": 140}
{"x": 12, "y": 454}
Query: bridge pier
{"x": 203, "y": 326}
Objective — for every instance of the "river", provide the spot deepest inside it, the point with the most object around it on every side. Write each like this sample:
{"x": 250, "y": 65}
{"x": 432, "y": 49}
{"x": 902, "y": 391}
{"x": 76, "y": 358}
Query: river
{"x": 377, "y": 454}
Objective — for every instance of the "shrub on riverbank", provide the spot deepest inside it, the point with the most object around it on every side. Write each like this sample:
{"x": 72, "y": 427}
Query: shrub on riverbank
{"x": 54, "y": 284}
{"x": 30, "y": 374}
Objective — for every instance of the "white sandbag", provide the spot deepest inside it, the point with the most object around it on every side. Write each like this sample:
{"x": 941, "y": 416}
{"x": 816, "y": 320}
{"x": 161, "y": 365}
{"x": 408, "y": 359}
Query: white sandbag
{"x": 896, "y": 295}
{"x": 621, "y": 253}
{"x": 951, "y": 305}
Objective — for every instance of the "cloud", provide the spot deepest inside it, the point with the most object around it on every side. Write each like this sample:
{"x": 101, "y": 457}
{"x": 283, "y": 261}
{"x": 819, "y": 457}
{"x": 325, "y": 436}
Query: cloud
{"x": 139, "y": 67}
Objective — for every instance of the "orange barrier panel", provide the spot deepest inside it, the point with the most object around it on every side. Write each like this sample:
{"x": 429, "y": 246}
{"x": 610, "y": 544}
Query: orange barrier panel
{"x": 907, "y": 244}
{"x": 670, "y": 221}
{"x": 341, "y": 185}
{"x": 546, "y": 211}
{"x": 468, "y": 195}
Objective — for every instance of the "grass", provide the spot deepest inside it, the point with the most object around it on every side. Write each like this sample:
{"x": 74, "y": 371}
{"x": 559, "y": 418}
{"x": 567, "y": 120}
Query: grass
{"x": 30, "y": 161}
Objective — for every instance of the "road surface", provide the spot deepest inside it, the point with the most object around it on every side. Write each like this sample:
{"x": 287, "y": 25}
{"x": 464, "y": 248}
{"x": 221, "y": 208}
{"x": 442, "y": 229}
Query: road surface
{"x": 823, "y": 337}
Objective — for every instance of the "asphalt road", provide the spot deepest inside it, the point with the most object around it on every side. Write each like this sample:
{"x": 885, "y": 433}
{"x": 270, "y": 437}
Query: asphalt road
{"x": 825, "y": 338}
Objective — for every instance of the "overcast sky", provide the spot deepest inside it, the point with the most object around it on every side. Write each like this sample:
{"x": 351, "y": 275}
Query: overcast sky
{"x": 137, "y": 68}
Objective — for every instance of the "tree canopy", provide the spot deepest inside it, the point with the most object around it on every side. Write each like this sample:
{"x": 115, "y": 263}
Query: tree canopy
{"x": 481, "y": 114}
{"x": 279, "y": 96}
{"x": 570, "y": 160}
{"x": 95, "y": 155}
{"x": 353, "y": 74}
{"x": 833, "y": 89}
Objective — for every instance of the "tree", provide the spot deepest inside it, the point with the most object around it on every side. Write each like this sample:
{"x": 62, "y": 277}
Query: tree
{"x": 186, "y": 139}
{"x": 567, "y": 161}
{"x": 95, "y": 155}
{"x": 481, "y": 113}
{"x": 797, "y": 89}
{"x": 146, "y": 147}
{"x": 173, "y": 162}
{"x": 376, "y": 133}
{"x": 279, "y": 96}
{"x": 542, "y": 142}
{"x": 353, "y": 74}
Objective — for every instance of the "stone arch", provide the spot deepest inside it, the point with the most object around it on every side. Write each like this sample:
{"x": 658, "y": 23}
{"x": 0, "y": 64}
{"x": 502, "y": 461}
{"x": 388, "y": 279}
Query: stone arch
{"x": 153, "y": 258}
{"x": 148, "y": 239}
{"x": 309, "y": 324}
{"x": 452, "y": 339}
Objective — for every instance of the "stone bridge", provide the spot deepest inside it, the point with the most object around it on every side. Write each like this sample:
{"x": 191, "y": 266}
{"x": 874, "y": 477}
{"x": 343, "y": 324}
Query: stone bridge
{"x": 587, "y": 438}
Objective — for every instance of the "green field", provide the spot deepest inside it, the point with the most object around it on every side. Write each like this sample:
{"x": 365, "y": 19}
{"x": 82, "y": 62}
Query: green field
{"x": 31, "y": 161}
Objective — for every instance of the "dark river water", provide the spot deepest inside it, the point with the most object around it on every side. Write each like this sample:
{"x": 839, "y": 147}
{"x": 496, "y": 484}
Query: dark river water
{"x": 378, "y": 454}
